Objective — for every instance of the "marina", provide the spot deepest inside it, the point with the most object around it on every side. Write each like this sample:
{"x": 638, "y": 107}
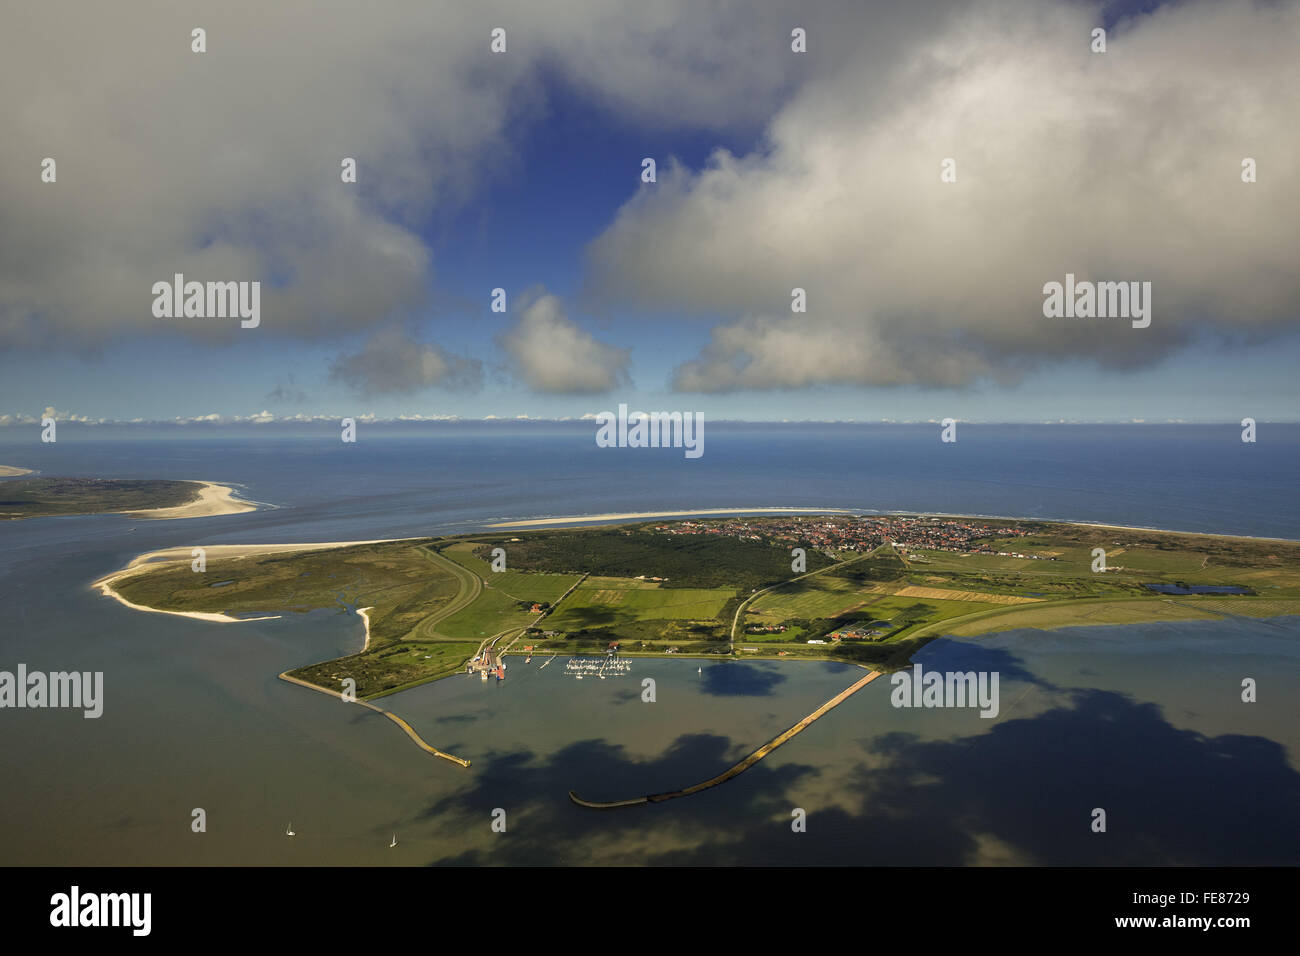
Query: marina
{"x": 600, "y": 667}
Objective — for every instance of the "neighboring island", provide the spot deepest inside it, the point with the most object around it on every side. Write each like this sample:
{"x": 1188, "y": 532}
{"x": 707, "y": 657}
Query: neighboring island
{"x": 871, "y": 590}
{"x": 140, "y": 498}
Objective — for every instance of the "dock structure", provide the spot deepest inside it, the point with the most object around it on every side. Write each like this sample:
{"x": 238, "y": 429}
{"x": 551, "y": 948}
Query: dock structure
{"x": 739, "y": 768}
{"x": 409, "y": 730}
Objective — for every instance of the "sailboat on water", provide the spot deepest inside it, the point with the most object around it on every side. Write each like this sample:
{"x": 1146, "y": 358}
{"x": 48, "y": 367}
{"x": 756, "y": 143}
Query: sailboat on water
{"x": 289, "y": 830}
{"x": 394, "y": 843}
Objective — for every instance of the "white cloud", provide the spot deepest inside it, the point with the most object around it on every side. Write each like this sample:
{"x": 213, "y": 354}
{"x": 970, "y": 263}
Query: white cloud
{"x": 393, "y": 363}
{"x": 1116, "y": 166}
{"x": 225, "y": 165}
{"x": 552, "y": 354}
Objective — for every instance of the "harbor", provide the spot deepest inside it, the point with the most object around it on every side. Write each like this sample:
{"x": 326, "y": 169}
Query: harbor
{"x": 597, "y": 667}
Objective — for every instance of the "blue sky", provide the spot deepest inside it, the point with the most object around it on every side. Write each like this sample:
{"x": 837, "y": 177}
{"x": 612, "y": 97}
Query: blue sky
{"x": 554, "y": 177}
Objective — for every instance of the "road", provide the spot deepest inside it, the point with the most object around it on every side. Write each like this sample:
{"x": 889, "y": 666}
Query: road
{"x": 471, "y": 586}
{"x": 757, "y": 594}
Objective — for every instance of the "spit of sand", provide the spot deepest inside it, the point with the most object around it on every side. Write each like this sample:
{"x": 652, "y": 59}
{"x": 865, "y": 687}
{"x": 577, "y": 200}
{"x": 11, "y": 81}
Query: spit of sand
{"x": 213, "y": 500}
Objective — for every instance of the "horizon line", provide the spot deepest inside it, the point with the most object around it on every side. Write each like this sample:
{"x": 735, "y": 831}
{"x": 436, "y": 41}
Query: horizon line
{"x": 13, "y": 422}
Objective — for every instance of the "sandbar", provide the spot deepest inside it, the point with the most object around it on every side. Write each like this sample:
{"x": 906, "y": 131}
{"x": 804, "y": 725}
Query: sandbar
{"x": 213, "y": 499}
{"x": 10, "y": 471}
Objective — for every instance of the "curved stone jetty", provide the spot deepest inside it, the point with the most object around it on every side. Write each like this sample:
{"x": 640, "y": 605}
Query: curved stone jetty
{"x": 410, "y": 731}
{"x": 739, "y": 768}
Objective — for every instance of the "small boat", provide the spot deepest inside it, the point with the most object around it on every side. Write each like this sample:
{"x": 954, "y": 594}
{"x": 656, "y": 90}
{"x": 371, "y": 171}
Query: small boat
{"x": 699, "y": 670}
{"x": 579, "y": 677}
{"x": 394, "y": 843}
{"x": 289, "y": 830}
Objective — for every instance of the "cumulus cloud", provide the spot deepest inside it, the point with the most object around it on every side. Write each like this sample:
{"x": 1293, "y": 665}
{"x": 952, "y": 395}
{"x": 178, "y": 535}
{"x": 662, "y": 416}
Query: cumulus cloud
{"x": 225, "y": 165}
{"x": 392, "y": 363}
{"x": 1124, "y": 165}
{"x": 553, "y": 354}
{"x": 53, "y": 413}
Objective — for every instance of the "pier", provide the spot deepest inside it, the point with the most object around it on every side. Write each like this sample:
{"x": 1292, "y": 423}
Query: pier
{"x": 410, "y": 731}
{"x": 739, "y": 768}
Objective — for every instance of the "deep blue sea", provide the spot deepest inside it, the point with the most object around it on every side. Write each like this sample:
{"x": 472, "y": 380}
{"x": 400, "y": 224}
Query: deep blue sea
{"x": 1145, "y": 720}
{"x": 430, "y": 477}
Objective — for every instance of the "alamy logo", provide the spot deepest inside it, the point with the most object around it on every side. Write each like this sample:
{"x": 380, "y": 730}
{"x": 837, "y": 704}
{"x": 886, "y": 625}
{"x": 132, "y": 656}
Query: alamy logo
{"x": 210, "y": 300}
{"x": 1102, "y": 300}
{"x": 952, "y": 689}
{"x": 652, "y": 430}
{"x": 102, "y": 909}
{"x": 36, "y": 689}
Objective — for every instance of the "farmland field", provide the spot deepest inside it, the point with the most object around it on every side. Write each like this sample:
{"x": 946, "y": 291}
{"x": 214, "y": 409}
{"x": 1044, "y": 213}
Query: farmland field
{"x": 611, "y": 601}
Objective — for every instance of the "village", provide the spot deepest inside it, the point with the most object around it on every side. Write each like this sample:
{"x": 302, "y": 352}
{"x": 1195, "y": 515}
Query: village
{"x": 859, "y": 533}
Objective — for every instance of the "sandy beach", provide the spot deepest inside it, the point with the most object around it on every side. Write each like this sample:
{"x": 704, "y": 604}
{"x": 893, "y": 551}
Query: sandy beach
{"x": 186, "y": 552}
{"x": 105, "y": 586}
{"x": 365, "y": 618}
{"x": 10, "y": 471}
{"x": 637, "y": 515}
{"x": 213, "y": 500}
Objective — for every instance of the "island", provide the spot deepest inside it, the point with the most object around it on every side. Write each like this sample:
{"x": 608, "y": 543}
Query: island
{"x": 862, "y": 589}
{"x": 140, "y": 498}
{"x": 868, "y": 590}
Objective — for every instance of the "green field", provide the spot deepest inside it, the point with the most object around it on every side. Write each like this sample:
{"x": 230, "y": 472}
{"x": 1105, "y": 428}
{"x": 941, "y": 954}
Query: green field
{"x": 810, "y": 598}
{"x": 391, "y": 668}
{"x": 498, "y": 606}
{"x": 519, "y": 585}
{"x": 612, "y": 602}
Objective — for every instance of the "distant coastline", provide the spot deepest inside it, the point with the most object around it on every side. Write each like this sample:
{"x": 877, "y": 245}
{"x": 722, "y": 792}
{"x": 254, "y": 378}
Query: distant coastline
{"x": 636, "y": 515}
{"x": 29, "y": 496}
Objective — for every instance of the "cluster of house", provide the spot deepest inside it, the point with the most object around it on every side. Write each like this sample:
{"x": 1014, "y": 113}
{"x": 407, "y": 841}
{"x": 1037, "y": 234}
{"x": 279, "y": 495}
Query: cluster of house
{"x": 872, "y": 631}
{"x": 856, "y": 533}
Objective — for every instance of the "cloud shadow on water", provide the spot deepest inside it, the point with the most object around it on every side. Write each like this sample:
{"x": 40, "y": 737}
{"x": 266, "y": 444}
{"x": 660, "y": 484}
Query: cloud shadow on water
{"x": 1022, "y": 791}
{"x": 736, "y": 679}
